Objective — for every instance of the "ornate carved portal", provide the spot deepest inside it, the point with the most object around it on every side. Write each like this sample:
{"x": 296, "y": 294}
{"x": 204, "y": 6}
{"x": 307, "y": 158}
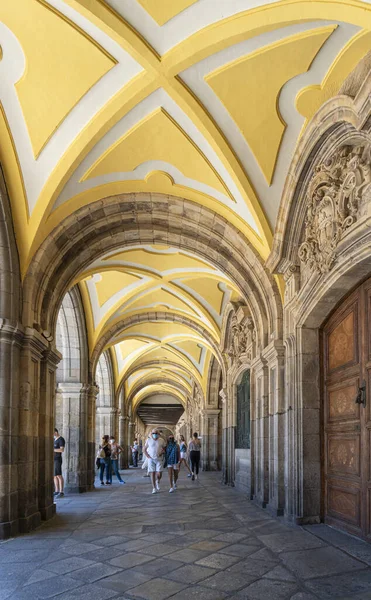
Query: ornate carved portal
{"x": 337, "y": 190}
{"x": 347, "y": 422}
{"x": 241, "y": 337}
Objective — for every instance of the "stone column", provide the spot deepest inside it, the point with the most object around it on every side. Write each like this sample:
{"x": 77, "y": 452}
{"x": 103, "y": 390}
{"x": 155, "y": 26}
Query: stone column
{"x": 92, "y": 392}
{"x": 32, "y": 452}
{"x": 129, "y": 441}
{"x": 73, "y": 426}
{"x": 48, "y": 368}
{"x": 223, "y": 397}
{"x": 259, "y": 371}
{"x": 123, "y": 437}
{"x": 274, "y": 354}
{"x": 106, "y": 421}
{"x": 11, "y": 337}
{"x": 210, "y": 440}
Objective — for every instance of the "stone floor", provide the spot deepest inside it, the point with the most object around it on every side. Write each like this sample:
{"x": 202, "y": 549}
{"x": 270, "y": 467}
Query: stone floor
{"x": 205, "y": 541}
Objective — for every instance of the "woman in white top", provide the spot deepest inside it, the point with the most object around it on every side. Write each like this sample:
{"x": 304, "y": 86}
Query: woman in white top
{"x": 194, "y": 448}
{"x": 183, "y": 454}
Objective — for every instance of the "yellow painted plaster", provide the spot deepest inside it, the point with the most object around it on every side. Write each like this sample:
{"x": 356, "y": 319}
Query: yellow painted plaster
{"x": 208, "y": 289}
{"x": 112, "y": 282}
{"x": 158, "y": 260}
{"x": 259, "y": 78}
{"x": 311, "y": 98}
{"x": 157, "y": 137}
{"x": 164, "y": 10}
{"x": 192, "y": 348}
{"x": 62, "y": 64}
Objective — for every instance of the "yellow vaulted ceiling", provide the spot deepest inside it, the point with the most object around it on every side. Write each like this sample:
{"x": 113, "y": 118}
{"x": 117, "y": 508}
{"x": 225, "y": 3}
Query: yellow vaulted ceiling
{"x": 62, "y": 64}
{"x": 164, "y": 10}
{"x": 202, "y": 100}
{"x": 259, "y": 78}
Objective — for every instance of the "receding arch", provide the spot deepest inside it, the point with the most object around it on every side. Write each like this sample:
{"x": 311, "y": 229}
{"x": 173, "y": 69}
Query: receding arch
{"x": 122, "y": 220}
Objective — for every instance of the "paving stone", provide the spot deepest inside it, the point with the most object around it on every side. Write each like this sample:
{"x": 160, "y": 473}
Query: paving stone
{"x": 232, "y": 537}
{"x": 103, "y": 554}
{"x": 189, "y": 556}
{"x": 280, "y": 573}
{"x": 218, "y": 561}
{"x": 291, "y": 540}
{"x": 88, "y": 592}
{"x": 157, "y": 589}
{"x": 95, "y": 572}
{"x": 157, "y": 550}
{"x": 308, "y": 564}
{"x": 130, "y": 559}
{"x": 79, "y": 548}
{"x": 241, "y": 550}
{"x": 48, "y": 588}
{"x": 18, "y": 556}
{"x": 133, "y": 545}
{"x": 209, "y": 546}
{"x": 68, "y": 564}
{"x": 200, "y": 593}
{"x": 346, "y": 584}
{"x": 125, "y": 580}
{"x": 227, "y": 581}
{"x": 191, "y": 574}
{"x": 39, "y": 575}
{"x": 265, "y": 589}
{"x": 159, "y": 567}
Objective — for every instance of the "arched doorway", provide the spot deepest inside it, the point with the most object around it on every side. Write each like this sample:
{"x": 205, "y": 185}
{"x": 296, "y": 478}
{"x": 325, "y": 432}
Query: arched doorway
{"x": 243, "y": 433}
{"x": 346, "y": 364}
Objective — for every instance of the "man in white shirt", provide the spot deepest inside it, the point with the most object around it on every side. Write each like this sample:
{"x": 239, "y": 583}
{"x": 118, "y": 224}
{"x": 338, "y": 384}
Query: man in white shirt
{"x": 154, "y": 450}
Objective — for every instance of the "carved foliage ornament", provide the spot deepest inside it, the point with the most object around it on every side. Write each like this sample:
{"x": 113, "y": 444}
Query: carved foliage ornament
{"x": 334, "y": 199}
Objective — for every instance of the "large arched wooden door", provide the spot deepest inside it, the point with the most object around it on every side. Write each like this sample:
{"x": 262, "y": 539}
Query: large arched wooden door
{"x": 346, "y": 415}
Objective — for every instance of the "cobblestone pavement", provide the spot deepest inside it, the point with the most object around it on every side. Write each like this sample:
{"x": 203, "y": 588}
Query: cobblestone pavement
{"x": 204, "y": 541}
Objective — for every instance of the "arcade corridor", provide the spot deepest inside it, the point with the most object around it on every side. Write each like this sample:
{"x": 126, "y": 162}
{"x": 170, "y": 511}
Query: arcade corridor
{"x": 206, "y": 542}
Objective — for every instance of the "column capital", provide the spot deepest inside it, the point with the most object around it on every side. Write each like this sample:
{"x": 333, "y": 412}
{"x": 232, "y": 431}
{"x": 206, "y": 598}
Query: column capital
{"x": 11, "y": 331}
{"x": 72, "y": 388}
{"x": 210, "y": 411}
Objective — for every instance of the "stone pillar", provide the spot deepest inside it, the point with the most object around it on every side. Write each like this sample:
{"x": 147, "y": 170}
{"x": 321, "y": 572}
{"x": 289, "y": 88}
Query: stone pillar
{"x": 123, "y": 437}
{"x": 92, "y": 392}
{"x": 223, "y": 397}
{"x": 73, "y": 425}
{"x": 32, "y": 454}
{"x": 274, "y": 354}
{"x": 11, "y": 337}
{"x": 129, "y": 441}
{"x": 48, "y": 368}
{"x": 259, "y": 371}
{"x": 210, "y": 442}
{"x": 106, "y": 421}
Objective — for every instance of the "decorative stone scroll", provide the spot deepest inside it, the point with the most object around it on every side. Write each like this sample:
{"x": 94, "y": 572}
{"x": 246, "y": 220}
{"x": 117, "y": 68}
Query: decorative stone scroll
{"x": 335, "y": 194}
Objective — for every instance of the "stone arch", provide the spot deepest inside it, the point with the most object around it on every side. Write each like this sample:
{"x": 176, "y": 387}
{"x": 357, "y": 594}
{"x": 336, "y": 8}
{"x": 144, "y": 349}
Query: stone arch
{"x": 336, "y": 147}
{"x": 136, "y": 218}
{"x": 71, "y": 411}
{"x": 106, "y": 409}
{"x": 107, "y": 337}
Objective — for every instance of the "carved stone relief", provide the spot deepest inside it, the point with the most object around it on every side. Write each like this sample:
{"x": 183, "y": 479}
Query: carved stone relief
{"x": 335, "y": 194}
{"x": 242, "y": 335}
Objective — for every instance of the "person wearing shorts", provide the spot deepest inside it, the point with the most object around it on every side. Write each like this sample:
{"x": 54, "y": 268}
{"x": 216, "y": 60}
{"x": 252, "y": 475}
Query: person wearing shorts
{"x": 59, "y": 444}
{"x": 183, "y": 455}
{"x": 172, "y": 454}
{"x": 154, "y": 450}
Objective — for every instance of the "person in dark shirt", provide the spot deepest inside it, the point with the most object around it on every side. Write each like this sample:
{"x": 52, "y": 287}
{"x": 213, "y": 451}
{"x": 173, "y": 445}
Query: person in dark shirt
{"x": 59, "y": 445}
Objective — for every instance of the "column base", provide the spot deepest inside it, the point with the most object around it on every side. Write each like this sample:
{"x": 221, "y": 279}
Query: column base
{"x": 48, "y": 512}
{"x": 9, "y": 529}
{"x": 312, "y": 520}
{"x": 78, "y": 489}
{"x": 27, "y": 524}
{"x": 274, "y": 511}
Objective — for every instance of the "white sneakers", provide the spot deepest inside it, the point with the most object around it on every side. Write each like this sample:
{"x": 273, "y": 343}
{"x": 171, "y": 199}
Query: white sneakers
{"x": 154, "y": 491}
{"x": 171, "y": 490}
{"x": 174, "y": 486}
{"x": 157, "y": 486}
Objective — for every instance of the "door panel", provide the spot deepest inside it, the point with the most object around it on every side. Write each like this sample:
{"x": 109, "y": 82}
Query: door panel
{"x": 347, "y": 414}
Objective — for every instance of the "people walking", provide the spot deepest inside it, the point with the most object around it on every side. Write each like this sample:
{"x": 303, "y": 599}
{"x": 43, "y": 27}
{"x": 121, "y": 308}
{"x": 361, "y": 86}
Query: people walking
{"x": 172, "y": 457}
{"x": 183, "y": 455}
{"x": 135, "y": 452}
{"x": 59, "y": 445}
{"x": 104, "y": 454}
{"x": 116, "y": 450}
{"x": 154, "y": 450}
{"x": 194, "y": 448}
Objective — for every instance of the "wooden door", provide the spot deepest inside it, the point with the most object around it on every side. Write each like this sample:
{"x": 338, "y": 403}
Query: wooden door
{"x": 346, "y": 415}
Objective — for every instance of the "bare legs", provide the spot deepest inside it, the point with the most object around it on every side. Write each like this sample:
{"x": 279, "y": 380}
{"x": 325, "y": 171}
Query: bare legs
{"x": 183, "y": 461}
{"x": 58, "y": 484}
